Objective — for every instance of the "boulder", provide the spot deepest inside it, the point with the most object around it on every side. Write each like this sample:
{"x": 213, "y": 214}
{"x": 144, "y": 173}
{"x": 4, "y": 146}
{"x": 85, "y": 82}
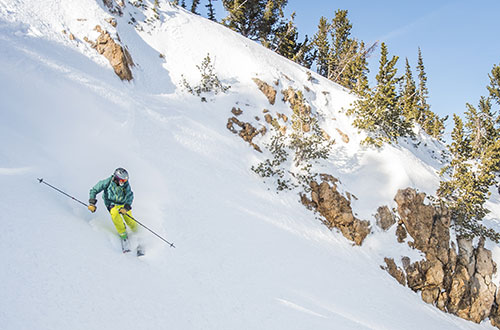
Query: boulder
{"x": 385, "y": 218}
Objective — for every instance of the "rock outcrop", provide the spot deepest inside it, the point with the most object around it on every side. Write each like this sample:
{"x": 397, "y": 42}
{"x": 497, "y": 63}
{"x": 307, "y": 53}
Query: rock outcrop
{"x": 385, "y": 218}
{"x": 335, "y": 209}
{"x": 247, "y": 132}
{"x": 118, "y": 56}
{"x": 458, "y": 282}
{"x": 344, "y": 136}
{"x": 115, "y": 7}
{"x": 266, "y": 89}
{"x": 299, "y": 107}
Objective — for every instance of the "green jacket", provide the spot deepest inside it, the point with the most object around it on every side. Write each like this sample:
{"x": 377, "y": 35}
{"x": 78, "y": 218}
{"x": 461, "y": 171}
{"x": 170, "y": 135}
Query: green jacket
{"x": 114, "y": 194}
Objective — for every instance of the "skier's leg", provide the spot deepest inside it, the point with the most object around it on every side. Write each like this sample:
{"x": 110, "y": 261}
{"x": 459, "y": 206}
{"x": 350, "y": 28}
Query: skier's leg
{"x": 117, "y": 220}
{"x": 130, "y": 222}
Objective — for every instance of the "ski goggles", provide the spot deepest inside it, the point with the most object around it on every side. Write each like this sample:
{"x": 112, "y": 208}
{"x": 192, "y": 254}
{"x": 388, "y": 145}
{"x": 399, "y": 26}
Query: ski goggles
{"x": 121, "y": 182}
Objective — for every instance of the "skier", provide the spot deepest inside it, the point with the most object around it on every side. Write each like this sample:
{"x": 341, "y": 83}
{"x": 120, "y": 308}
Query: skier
{"x": 118, "y": 199}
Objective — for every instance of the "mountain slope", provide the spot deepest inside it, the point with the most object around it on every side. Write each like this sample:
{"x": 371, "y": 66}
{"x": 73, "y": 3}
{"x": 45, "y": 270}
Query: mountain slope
{"x": 246, "y": 257}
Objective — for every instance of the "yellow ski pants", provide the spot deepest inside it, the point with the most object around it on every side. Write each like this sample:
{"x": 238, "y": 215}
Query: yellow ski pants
{"x": 120, "y": 219}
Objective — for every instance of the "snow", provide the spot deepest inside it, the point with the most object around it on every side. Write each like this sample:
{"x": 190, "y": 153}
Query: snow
{"x": 245, "y": 257}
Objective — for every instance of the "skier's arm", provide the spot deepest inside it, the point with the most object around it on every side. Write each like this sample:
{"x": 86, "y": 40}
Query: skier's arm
{"x": 129, "y": 197}
{"x": 100, "y": 186}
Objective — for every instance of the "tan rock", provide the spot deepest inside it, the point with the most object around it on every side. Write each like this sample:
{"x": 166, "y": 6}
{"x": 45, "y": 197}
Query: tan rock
{"x": 385, "y": 218}
{"x": 266, "y": 89}
{"x": 236, "y": 111}
{"x": 118, "y": 57}
{"x": 344, "y": 136}
{"x": 247, "y": 132}
{"x": 395, "y": 271}
{"x": 336, "y": 210}
{"x": 430, "y": 295}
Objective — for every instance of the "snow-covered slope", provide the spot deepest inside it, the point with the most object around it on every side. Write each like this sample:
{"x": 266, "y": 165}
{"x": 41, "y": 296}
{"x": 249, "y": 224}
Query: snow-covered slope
{"x": 246, "y": 257}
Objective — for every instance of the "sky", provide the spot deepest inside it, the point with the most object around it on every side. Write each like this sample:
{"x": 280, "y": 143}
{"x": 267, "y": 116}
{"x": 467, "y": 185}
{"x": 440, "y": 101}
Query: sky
{"x": 459, "y": 40}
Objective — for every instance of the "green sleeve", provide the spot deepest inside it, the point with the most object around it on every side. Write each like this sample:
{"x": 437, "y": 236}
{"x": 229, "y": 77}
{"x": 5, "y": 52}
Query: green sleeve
{"x": 100, "y": 186}
{"x": 129, "y": 197}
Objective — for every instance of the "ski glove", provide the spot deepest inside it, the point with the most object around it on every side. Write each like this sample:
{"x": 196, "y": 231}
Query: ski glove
{"x": 92, "y": 206}
{"x": 125, "y": 208}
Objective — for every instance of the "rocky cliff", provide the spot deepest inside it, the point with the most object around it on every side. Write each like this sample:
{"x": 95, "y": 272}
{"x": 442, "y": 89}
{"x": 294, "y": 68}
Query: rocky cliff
{"x": 456, "y": 277}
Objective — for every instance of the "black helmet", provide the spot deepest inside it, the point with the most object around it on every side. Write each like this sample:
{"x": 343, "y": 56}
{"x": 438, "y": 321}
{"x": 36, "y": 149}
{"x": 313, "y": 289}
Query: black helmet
{"x": 121, "y": 174}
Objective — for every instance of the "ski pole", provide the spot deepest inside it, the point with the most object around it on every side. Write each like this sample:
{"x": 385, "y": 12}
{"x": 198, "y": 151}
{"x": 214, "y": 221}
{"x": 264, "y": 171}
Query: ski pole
{"x": 62, "y": 192}
{"x": 171, "y": 244}
{"x": 73, "y": 198}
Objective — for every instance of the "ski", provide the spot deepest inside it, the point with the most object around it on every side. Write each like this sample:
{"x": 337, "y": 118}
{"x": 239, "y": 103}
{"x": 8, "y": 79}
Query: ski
{"x": 125, "y": 245}
{"x": 140, "y": 250}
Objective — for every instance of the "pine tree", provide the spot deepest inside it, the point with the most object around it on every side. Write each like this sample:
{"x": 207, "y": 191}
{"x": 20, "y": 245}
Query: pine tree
{"x": 194, "y": 6}
{"x": 339, "y": 57}
{"x": 480, "y": 125}
{"x": 254, "y": 19}
{"x": 494, "y": 87}
{"x": 409, "y": 96}
{"x": 466, "y": 189}
{"x": 285, "y": 39}
{"x": 343, "y": 48}
{"x": 423, "y": 92}
{"x": 494, "y": 91}
{"x": 305, "y": 55}
{"x": 322, "y": 45}
{"x": 211, "y": 11}
{"x": 379, "y": 112}
{"x": 183, "y": 4}
{"x": 428, "y": 120}
{"x": 357, "y": 70}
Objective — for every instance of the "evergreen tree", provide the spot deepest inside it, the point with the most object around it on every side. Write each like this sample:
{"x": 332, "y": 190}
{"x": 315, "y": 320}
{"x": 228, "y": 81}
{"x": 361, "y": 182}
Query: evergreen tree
{"x": 285, "y": 39}
{"x": 183, "y": 4}
{"x": 194, "y": 6}
{"x": 339, "y": 57}
{"x": 357, "y": 70}
{"x": 494, "y": 87}
{"x": 409, "y": 96}
{"x": 481, "y": 127}
{"x": 379, "y": 112}
{"x": 305, "y": 55}
{"x": 428, "y": 120}
{"x": 469, "y": 178}
{"x": 494, "y": 91}
{"x": 423, "y": 92}
{"x": 342, "y": 48}
{"x": 474, "y": 166}
{"x": 254, "y": 19}
{"x": 322, "y": 45}
{"x": 211, "y": 11}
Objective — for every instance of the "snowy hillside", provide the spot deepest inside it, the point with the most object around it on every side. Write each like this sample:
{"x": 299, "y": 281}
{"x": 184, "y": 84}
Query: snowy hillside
{"x": 245, "y": 257}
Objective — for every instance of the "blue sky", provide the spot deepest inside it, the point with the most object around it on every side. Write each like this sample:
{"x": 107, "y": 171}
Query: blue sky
{"x": 460, "y": 40}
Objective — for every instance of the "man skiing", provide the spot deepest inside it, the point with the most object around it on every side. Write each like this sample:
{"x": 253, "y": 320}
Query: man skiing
{"x": 118, "y": 199}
